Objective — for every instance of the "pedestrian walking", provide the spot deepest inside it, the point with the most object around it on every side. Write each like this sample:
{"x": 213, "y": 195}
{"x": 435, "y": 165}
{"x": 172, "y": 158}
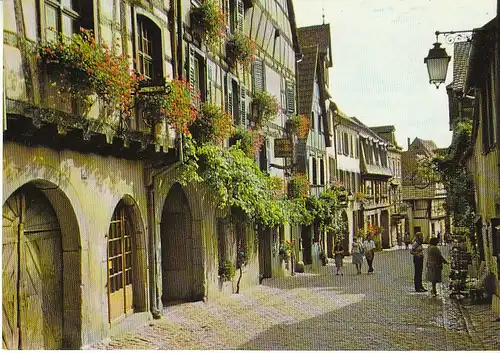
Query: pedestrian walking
{"x": 357, "y": 255}
{"x": 435, "y": 261}
{"x": 417, "y": 250}
{"x": 369, "y": 248}
{"x": 407, "y": 240}
{"x": 338, "y": 252}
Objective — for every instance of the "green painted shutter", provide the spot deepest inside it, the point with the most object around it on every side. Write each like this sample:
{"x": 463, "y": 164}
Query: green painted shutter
{"x": 290, "y": 97}
{"x": 229, "y": 94}
{"x": 258, "y": 76}
{"x": 243, "y": 106}
{"x": 192, "y": 83}
{"x": 210, "y": 83}
{"x": 240, "y": 16}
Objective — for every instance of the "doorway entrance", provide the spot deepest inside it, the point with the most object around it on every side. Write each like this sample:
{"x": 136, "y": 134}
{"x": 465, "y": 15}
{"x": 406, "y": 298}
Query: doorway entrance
{"x": 32, "y": 273}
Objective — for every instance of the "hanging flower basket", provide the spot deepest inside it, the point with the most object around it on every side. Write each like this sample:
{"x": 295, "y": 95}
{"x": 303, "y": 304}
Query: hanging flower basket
{"x": 240, "y": 49}
{"x": 250, "y": 141}
{"x": 264, "y": 108}
{"x": 213, "y": 125}
{"x": 208, "y": 22}
{"x": 174, "y": 105}
{"x": 298, "y": 186}
{"x": 298, "y": 125}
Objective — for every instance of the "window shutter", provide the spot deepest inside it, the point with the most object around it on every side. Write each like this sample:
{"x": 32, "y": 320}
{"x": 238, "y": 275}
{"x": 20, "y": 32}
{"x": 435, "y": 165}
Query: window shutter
{"x": 229, "y": 94}
{"x": 290, "y": 97}
{"x": 210, "y": 89}
{"x": 240, "y": 16}
{"x": 243, "y": 106}
{"x": 258, "y": 76}
{"x": 192, "y": 76}
{"x": 227, "y": 12}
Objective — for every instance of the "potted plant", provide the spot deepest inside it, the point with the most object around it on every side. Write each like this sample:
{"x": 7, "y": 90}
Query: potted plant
{"x": 298, "y": 125}
{"x": 174, "y": 105}
{"x": 264, "y": 107}
{"x": 359, "y": 196}
{"x": 86, "y": 69}
{"x": 240, "y": 49}
{"x": 208, "y": 21}
{"x": 286, "y": 250}
{"x": 213, "y": 125}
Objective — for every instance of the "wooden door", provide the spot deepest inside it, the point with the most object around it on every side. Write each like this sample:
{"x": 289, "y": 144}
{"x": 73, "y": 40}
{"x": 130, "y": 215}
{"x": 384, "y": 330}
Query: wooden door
{"x": 120, "y": 262}
{"x": 32, "y": 273}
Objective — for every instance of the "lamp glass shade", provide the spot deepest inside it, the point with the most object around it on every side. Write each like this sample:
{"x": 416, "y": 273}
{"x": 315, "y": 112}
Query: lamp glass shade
{"x": 437, "y": 64}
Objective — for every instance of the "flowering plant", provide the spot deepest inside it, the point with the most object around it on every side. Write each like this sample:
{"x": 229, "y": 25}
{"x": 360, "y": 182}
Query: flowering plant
{"x": 212, "y": 125}
{"x": 286, "y": 249}
{"x": 175, "y": 105}
{"x": 86, "y": 68}
{"x": 249, "y": 140}
{"x": 298, "y": 186}
{"x": 359, "y": 196}
{"x": 266, "y": 106}
{"x": 241, "y": 49}
{"x": 299, "y": 124}
{"x": 210, "y": 21}
{"x": 226, "y": 270}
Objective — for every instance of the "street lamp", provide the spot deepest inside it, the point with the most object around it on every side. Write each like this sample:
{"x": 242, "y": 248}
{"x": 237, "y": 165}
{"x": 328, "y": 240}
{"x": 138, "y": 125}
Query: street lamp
{"x": 437, "y": 64}
{"x": 437, "y": 60}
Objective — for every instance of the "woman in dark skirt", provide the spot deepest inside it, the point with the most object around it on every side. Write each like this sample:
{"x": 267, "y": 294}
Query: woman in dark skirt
{"x": 435, "y": 261}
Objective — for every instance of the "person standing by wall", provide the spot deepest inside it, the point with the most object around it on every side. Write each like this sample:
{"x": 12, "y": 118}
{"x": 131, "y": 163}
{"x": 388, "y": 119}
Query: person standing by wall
{"x": 357, "y": 255}
{"x": 369, "y": 247}
{"x": 417, "y": 250}
{"x": 435, "y": 261}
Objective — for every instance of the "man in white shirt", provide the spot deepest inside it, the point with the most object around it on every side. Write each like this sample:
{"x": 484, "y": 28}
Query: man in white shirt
{"x": 369, "y": 248}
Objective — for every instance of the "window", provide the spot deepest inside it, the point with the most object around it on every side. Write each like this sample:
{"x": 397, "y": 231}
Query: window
{"x": 67, "y": 16}
{"x": 351, "y": 150}
{"x": 313, "y": 120}
{"x": 488, "y": 126}
{"x": 356, "y": 148}
{"x": 290, "y": 96}
{"x": 149, "y": 57}
{"x": 236, "y": 103}
{"x": 320, "y": 124}
{"x": 235, "y": 15}
{"x": 346, "y": 144}
{"x": 339, "y": 142}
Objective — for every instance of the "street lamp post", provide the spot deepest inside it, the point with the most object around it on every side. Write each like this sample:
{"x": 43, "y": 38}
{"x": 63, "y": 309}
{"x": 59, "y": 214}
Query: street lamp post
{"x": 437, "y": 60}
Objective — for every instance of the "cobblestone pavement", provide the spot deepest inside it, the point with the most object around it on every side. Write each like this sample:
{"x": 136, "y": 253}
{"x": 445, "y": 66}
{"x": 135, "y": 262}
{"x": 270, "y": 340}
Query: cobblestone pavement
{"x": 322, "y": 311}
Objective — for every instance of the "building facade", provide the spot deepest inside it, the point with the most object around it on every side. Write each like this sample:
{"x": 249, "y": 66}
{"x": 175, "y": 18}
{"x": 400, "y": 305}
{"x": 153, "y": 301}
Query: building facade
{"x": 425, "y": 197}
{"x": 97, "y": 205}
{"x": 398, "y": 208}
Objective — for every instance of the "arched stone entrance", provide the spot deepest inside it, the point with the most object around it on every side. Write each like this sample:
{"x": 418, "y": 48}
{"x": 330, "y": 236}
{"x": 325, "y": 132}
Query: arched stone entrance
{"x": 126, "y": 259}
{"x": 177, "y": 248}
{"x": 384, "y": 223}
{"x": 40, "y": 258}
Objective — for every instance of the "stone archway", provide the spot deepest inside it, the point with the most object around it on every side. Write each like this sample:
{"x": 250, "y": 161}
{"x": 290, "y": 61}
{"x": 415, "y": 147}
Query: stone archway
{"x": 177, "y": 248}
{"x": 41, "y": 256}
{"x": 127, "y": 262}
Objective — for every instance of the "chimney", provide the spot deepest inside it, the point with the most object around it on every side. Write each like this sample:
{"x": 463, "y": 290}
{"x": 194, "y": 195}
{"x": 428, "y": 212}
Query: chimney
{"x": 408, "y": 143}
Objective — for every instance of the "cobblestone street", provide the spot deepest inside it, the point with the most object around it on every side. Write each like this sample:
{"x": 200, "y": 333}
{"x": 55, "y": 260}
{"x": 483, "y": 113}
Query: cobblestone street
{"x": 325, "y": 312}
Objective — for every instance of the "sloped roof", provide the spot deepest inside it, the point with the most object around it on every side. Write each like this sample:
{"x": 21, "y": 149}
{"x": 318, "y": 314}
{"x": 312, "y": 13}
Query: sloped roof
{"x": 428, "y": 145}
{"x": 387, "y": 133}
{"x": 306, "y": 73}
{"x": 320, "y": 35}
{"x": 460, "y": 65}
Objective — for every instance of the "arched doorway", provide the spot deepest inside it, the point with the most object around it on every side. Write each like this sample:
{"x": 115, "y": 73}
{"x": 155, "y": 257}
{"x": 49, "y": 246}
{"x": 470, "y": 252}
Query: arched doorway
{"x": 176, "y": 247}
{"x": 124, "y": 263}
{"x": 32, "y": 272}
{"x": 384, "y": 223}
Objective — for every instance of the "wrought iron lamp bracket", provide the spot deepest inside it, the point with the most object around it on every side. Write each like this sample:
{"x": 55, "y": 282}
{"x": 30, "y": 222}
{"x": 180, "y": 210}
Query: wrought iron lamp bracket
{"x": 451, "y": 37}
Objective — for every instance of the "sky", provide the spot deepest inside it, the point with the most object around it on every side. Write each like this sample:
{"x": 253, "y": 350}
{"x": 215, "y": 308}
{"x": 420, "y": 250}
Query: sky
{"x": 378, "y": 50}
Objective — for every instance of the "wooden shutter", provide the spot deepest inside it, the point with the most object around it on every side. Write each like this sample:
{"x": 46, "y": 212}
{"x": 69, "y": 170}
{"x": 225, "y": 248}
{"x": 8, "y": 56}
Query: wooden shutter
{"x": 243, "y": 108}
{"x": 192, "y": 76}
{"x": 258, "y": 76}
{"x": 240, "y": 16}
{"x": 210, "y": 83}
{"x": 229, "y": 94}
{"x": 290, "y": 97}
{"x": 227, "y": 13}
